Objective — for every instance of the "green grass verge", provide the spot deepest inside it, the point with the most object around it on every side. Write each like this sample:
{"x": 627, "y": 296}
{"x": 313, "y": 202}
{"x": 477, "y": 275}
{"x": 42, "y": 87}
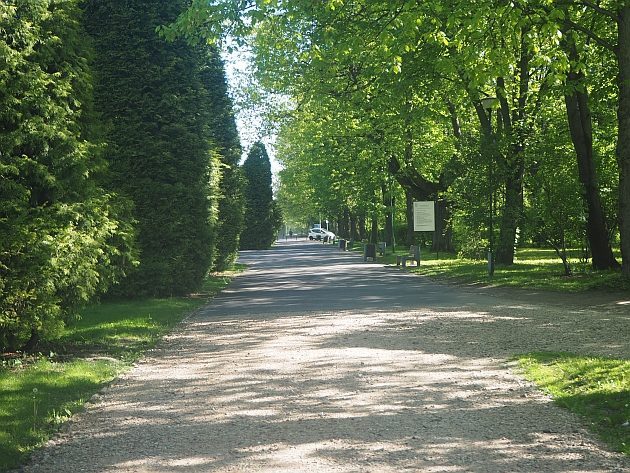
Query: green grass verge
{"x": 37, "y": 394}
{"x": 596, "y": 388}
{"x": 534, "y": 268}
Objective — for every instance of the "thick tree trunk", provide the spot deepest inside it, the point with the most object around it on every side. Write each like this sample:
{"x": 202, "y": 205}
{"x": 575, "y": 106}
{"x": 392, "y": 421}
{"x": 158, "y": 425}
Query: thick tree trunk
{"x": 623, "y": 141}
{"x": 344, "y": 224}
{"x": 374, "y": 229}
{"x": 512, "y": 211}
{"x": 362, "y": 228}
{"x": 580, "y": 127}
{"x": 354, "y": 232}
{"x": 510, "y": 124}
{"x": 31, "y": 343}
{"x": 443, "y": 236}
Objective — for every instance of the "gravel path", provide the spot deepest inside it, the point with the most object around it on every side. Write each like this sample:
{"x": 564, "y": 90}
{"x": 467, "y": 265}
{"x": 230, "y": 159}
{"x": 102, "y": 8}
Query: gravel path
{"x": 315, "y": 361}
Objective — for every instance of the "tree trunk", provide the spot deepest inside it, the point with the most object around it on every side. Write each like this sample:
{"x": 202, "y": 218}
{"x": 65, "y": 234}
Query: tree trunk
{"x": 374, "y": 229}
{"x": 580, "y": 127}
{"x": 31, "y": 343}
{"x": 362, "y": 229}
{"x": 515, "y": 162}
{"x": 443, "y": 236}
{"x": 388, "y": 202}
{"x": 512, "y": 211}
{"x": 344, "y": 223}
{"x": 623, "y": 140}
{"x": 409, "y": 216}
{"x": 354, "y": 232}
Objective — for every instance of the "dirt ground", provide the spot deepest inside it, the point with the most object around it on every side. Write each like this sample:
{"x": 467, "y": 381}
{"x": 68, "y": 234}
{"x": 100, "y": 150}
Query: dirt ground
{"x": 314, "y": 361}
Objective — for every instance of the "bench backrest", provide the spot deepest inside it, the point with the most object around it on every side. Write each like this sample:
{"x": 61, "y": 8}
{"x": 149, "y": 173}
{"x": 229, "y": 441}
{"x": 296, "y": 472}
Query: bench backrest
{"x": 414, "y": 250}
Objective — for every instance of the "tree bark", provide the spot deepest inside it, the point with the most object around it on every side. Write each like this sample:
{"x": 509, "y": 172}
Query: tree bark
{"x": 362, "y": 229}
{"x": 580, "y": 127}
{"x": 443, "y": 239}
{"x": 374, "y": 229}
{"x": 409, "y": 215}
{"x": 388, "y": 202}
{"x": 344, "y": 223}
{"x": 514, "y": 164}
{"x": 31, "y": 343}
{"x": 354, "y": 232}
{"x": 623, "y": 140}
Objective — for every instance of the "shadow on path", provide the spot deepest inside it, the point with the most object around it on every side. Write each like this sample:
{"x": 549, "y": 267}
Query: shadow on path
{"x": 315, "y": 361}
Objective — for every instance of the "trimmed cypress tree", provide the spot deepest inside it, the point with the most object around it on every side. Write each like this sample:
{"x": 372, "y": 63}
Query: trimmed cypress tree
{"x": 59, "y": 237}
{"x": 261, "y": 214}
{"x": 155, "y": 109}
{"x": 225, "y": 136}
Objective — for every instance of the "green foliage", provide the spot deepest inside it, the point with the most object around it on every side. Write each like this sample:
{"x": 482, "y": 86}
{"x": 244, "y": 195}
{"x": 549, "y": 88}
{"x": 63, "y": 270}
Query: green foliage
{"x": 596, "y": 388}
{"x": 535, "y": 268}
{"x": 61, "y": 239}
{"x": 156, "y": 108}
{"x": 262, "y": 216}
{"x": 225, "y": 137}
{"x": 368, "y": 83}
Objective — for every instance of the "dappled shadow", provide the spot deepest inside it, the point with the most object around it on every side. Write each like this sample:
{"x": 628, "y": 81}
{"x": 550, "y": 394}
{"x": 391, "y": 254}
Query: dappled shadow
{"x": 316, "y": 361}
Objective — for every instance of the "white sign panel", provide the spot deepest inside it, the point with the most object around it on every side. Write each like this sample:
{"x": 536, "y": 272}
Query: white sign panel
{"x": 424, "y": 216}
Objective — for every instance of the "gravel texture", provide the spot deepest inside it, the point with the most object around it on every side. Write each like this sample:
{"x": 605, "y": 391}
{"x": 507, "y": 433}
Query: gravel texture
{"x": 315, "y": 361}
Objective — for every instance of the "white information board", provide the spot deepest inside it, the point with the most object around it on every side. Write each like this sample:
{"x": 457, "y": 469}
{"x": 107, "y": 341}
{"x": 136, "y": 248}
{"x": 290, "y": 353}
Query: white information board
{"x": 424, "y": 216}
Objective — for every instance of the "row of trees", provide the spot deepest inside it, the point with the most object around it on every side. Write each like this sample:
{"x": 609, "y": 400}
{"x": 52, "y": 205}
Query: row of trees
{"x": 513, "y": 116}
{"x": 119, "y": 160}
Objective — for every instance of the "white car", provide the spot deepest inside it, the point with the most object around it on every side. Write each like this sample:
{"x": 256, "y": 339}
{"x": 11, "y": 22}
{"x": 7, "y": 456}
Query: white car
{"x": 320, "y": 234}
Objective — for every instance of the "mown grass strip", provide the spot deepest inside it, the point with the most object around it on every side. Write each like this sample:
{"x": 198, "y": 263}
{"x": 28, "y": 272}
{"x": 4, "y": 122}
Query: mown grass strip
{"x": 596, "y": 388}
{"x": 534, "y": 268}
{"x": 39, "y": 393}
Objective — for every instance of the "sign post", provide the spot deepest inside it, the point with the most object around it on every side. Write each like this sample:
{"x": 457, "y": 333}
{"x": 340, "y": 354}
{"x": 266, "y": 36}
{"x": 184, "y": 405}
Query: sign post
{"x": 424, "y": 217}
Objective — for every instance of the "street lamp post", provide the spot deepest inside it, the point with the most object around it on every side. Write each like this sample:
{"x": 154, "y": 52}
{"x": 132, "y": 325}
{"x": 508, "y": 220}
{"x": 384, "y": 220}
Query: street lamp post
{"x": 488, "y": 104}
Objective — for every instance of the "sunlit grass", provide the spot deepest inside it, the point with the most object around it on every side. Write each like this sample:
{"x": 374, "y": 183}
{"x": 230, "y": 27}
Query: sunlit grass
{"x": 533, "y": 268}
{"x": 596, "y": 388}
{"x": 37, "y": 398}
{"x": 37, "y": 394}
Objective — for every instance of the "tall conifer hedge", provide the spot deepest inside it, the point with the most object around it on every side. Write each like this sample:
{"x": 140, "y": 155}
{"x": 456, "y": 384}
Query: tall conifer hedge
{"x": 262, "y": 216}
{"x": 60, "y": 240}
{"x": 154, "y": 104}
{"x": 225, "y": 136}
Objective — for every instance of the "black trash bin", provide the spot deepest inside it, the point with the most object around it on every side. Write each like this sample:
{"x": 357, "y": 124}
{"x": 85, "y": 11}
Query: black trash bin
{"x": 369, "y": 251}
{"x": 342, "y": 244}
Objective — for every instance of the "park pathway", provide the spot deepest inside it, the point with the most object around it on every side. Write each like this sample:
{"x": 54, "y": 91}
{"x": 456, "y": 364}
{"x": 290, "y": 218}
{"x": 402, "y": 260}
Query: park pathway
{"x": 314, "y": 361}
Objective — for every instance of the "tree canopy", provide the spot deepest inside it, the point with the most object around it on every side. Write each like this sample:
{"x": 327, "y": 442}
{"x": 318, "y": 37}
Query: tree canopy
{"x": 380, "y": 90}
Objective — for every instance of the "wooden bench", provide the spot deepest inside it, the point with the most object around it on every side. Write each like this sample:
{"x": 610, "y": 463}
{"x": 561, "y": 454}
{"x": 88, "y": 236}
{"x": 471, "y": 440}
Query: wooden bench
{"x": 413, "y": 255}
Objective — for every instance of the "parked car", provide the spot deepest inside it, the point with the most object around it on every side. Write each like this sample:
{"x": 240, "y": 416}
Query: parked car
{"x": 319, "y": 234}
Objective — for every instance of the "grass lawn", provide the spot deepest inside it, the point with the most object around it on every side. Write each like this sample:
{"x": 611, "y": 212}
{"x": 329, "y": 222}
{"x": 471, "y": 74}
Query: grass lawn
{"x": 38, "y": 393}
{"x": 534, "y": 268}
{"x": 596, "y": 388}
